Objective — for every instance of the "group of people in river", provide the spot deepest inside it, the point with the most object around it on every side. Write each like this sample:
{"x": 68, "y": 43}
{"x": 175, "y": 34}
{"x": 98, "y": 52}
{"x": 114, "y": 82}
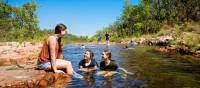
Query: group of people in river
{"x": 51, "y": 58}
{"x": 88, "y": 63}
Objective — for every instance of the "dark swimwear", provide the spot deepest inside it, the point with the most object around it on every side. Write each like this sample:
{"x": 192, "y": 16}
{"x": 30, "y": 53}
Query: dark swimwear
{"x": 111, "y": 67}
{"x": 92, "y": 64}
{"x": 107, "y": 36}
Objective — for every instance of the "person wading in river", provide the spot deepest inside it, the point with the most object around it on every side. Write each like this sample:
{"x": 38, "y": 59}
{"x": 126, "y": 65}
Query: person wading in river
{"x": 107, "y": 38}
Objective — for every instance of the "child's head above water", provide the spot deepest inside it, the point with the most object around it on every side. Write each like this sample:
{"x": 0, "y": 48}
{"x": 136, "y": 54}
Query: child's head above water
{"x": 88, "y": 55}
{"x": 106, "y": 55}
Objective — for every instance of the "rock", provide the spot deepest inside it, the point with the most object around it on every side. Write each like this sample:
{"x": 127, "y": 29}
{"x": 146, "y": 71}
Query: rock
{"x": 31, "y": 78}
{"x": 20, "y": 78}
{"x": 19, "y": 55}
{"x": 198, "y": 52}
{"x": 54, "y": 80}
{"x": 4, "y": 61}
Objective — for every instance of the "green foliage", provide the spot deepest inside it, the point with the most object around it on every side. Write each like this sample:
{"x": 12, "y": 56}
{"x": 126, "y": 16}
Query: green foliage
{"x": 18, "y": 23}
{"x": 21, "y": 24}
{"x": 181, "y": 38}
{"x": 150, "y": 15}
{"x": 191, "y": 40}
{"x": 76, "y": 39}
{"x": 135, "y": 20}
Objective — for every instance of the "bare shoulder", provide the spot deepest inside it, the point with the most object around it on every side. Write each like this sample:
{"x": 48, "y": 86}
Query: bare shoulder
{"x": 51, "y": 38}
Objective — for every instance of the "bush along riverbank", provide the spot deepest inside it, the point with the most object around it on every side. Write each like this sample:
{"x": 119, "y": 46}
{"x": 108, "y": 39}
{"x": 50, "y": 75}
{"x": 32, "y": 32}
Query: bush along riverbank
{"x": 183, "y": 39}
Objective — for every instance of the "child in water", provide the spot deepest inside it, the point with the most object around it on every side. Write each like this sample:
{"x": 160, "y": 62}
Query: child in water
{"x": 82, "y": 46}
{"x": 88, "y": 63}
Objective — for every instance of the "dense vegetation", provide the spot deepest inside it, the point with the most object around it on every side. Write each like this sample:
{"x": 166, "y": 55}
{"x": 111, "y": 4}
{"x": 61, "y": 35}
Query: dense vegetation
{"x": 177, "y": 18}
{"x": 17, "y": 23}
{"x": 20, "y": 24}
{"x": 149, "y": 16}
{"x": 157, "y": 18}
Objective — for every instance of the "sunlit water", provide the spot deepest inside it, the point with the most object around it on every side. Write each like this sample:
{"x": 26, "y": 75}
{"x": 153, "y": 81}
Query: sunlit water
{"x": 163, "y": 70}
{"x": 74, "y": 54}
{"x": 151, "y": 69}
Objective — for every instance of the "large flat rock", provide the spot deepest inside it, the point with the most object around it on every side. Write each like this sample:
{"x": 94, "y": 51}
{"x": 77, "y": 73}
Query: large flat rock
{"x": 14, "y": 77}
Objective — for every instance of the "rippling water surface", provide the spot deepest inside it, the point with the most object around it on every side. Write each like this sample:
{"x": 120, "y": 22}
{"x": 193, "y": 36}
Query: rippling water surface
{"x": 74, "y": 53}
{"x": 151, "y": 69}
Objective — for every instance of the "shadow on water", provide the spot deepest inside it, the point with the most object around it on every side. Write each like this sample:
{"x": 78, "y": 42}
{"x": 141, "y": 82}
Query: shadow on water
{"x": 160, "y": 70}
{"x": 91, "y": 80}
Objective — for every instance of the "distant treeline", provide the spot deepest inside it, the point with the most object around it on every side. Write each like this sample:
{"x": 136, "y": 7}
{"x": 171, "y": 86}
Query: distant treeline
{"x": 21, "y": 24}
{"x": 149, "y": 15}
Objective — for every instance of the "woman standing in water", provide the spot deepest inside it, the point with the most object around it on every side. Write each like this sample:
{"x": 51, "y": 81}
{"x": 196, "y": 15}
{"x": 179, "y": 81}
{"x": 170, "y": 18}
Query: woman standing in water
{"x": 49, "y": 57}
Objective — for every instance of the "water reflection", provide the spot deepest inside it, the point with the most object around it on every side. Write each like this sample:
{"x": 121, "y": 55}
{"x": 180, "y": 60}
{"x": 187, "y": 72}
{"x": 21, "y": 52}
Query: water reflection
{"x": 56, "y": 80}
{"x": 159, "y": 70}
{"x": 75, "y": 53}
{"x": 89, "y": 78}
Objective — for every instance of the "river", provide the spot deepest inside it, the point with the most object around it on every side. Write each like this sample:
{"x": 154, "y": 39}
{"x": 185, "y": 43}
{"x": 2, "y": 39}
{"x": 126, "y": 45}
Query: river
{"x": 151, "y": 69}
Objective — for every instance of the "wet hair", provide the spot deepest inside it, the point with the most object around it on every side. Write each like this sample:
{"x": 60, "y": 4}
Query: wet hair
{"x": 58, "y": 29}
{"x": 91, "y": 54}
{"x": 108, "y": 53}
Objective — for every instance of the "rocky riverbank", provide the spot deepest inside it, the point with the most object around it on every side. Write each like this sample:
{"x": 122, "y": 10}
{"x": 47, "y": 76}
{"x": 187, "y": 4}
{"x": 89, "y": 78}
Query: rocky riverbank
{"x": 165, "y": 46}
{"x": 13, "y": 54}
{"x": 18, "y": 70}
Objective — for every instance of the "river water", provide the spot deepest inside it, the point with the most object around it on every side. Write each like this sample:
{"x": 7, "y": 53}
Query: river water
{"x": 74, "y": 54}
{"x": 151, "y": 69}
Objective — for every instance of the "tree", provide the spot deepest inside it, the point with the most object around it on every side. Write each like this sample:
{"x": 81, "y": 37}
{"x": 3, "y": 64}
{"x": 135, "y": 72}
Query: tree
{"x": 18, "y": 24}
